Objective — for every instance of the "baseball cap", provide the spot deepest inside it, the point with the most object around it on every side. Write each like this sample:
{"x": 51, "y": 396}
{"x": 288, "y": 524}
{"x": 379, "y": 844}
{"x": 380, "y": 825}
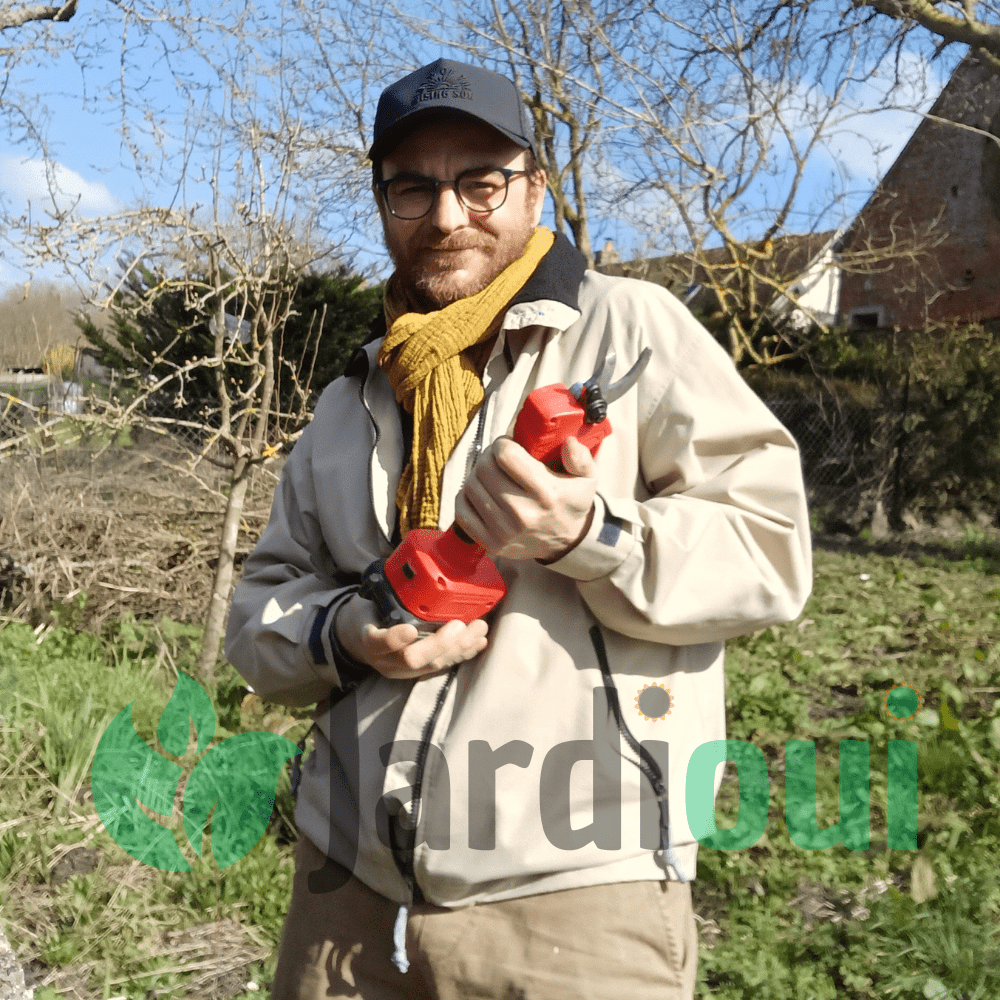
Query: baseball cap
{"x": 442, "y": 89}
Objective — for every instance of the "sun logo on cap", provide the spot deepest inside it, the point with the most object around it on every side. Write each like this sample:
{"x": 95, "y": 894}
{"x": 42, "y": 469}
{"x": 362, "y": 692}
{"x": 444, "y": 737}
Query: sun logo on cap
{"x": 654, "y": 702}
{"x": 444, "y": 83}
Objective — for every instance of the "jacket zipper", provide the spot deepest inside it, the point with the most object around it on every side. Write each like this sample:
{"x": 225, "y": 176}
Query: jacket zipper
{"x": 375, "y": 440}
{"x": 407, "y": 864}
{"x": 477, "y": 444}
{"x": 405, "y": 858}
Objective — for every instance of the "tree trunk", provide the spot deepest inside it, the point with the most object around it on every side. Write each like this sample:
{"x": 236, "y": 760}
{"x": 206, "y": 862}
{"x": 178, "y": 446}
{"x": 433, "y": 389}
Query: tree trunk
{"x": 216, "y": 617}
{"x": 223, "y": 584}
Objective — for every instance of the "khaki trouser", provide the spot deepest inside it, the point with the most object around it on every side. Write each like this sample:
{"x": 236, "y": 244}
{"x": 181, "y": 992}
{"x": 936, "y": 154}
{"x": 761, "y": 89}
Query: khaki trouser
{"x": 625, "y": 941}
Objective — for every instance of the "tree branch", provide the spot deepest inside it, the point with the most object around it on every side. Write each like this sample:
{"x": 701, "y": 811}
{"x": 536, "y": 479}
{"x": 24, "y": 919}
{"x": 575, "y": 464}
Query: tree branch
{"x": 15, "y": 17}
{"x": 968, "y": 31}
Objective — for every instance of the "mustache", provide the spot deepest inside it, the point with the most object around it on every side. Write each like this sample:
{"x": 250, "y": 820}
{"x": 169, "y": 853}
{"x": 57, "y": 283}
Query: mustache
{"x": 458, "y": 241}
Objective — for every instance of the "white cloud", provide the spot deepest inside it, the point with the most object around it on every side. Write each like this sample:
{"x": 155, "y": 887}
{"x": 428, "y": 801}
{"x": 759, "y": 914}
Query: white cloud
{"x": 866, "y": 151}
{"x": 886, "y": 115}
{"x": 28, "y": 180}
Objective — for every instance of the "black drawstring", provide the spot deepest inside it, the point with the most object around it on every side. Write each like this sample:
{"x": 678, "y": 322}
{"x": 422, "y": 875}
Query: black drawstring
{"x": 646, "y": 764}
{"x": 296, "y": 764}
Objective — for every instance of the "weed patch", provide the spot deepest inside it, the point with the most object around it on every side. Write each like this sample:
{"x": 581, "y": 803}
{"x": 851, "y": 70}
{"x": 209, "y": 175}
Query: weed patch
{"x": 88, "y": 920}
{"x": 776, "y": 921}
{"x": 787, "y": 923}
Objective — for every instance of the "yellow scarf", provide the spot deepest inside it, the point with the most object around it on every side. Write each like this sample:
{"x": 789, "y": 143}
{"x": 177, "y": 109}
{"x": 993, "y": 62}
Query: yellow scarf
{"x": 422, "y": 357}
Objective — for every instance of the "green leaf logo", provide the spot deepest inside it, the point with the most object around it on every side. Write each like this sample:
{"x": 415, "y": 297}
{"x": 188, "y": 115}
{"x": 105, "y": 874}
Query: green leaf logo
{"x": 233, "y": 783}
{"x": 238, "y": 778}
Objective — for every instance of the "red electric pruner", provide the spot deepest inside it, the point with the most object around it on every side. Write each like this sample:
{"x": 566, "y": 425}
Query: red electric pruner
{"x": 440, "y": 576}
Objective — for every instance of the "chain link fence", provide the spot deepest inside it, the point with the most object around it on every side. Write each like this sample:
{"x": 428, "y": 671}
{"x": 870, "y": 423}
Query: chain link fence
{"x": 189, "y": 420}
{"x": 34, "y": 407}
{"x": 850, "y": 453}
{"x": 844, "y": 465}
{"x": 836, "y": 445}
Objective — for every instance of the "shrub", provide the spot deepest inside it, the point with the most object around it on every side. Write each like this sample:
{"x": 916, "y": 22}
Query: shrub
{"x": 158, "y": 325}
{"x": 911, "y": 419}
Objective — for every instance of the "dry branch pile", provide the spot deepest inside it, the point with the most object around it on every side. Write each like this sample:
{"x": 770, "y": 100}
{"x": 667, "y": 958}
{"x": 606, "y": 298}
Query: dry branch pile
{"x": 132, "y": 529}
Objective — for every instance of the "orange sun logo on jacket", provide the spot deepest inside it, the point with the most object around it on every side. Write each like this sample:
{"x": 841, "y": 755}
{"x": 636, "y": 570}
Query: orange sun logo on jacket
{"x": 654, "y": 702}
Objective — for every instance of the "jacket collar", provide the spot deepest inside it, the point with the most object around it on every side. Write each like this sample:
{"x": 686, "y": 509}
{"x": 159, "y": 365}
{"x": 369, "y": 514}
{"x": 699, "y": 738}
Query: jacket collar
{"x": 550, "y": 296}
{"x": 557, "y": 277}
{"x": 357, "y": 365}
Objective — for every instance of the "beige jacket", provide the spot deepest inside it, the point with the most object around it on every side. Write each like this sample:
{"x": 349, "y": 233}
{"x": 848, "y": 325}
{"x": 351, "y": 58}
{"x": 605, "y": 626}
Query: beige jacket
{"x": 701, "y": 534}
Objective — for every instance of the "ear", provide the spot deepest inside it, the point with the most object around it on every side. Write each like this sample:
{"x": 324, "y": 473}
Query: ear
{"x": 537, "y": 187}
{"x": 380, "y": 205}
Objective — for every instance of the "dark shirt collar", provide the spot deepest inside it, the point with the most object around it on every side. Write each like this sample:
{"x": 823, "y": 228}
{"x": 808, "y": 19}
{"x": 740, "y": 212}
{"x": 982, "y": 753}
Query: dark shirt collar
{"x": 557, "y": 277}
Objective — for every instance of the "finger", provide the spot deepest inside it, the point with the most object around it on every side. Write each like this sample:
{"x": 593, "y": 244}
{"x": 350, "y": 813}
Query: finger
{"x": 518, "y": 467}
{"x": 490, "y": 516}
{"x": 381, "y": 641}
{"x": 470, "y": 639}
{"x": 469, "y": 521}
{"x": 491, "y": 476}
{"x": 495, "y": 516}
{"x": 447, "y": 639}
{"x": 478, "y": 628}
{"x": 577, "y": 459}
{"x": 454, "y": 642}
{"x": 400, "y": 636}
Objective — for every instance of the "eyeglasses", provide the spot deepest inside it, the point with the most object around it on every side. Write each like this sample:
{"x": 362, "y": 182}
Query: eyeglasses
{"x": 480, "y": 190}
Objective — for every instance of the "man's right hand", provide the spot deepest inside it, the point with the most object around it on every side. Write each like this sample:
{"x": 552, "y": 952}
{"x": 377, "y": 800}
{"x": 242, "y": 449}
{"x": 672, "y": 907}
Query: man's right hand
{"x": 398, "y": 652}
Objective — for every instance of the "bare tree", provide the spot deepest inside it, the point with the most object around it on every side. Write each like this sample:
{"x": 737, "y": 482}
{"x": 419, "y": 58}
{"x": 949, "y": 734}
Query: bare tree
{"x": 691, "y": 130}
{"x": 238, "y": 168}
{"x": 975, "y": 23}
{"x": 246, "y": 284}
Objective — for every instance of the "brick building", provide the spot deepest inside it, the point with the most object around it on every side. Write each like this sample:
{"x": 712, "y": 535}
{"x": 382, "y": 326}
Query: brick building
{"x": 936, "y": 215}
{"x": 804, "y": 264}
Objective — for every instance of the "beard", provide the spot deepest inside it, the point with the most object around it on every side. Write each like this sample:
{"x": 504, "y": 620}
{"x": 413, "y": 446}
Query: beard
{"x": 435, "y": 274}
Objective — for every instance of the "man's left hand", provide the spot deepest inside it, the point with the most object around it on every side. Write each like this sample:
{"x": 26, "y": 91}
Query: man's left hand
{"x": 516, "y": 507}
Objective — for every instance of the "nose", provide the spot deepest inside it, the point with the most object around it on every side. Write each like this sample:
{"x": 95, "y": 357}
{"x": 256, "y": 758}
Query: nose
{"x": 448, "y": 213}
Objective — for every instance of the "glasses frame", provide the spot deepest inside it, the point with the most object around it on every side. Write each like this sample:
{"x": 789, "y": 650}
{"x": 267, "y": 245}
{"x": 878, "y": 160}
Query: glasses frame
{"x": 382, "y": 188}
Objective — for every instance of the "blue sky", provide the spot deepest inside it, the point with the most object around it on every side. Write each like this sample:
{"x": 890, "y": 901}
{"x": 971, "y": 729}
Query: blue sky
{"x": 90, "y": 163}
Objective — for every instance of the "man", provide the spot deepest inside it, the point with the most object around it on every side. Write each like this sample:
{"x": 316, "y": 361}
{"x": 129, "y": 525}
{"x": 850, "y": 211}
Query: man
{"x": 450, "y": 847}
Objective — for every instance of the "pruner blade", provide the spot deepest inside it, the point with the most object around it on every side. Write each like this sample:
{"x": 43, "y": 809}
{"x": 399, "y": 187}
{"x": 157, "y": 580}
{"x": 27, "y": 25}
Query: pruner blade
{"x": 605, "y": 359}
{"x": 629, "y": 379}
{"x": 595, "y": 394}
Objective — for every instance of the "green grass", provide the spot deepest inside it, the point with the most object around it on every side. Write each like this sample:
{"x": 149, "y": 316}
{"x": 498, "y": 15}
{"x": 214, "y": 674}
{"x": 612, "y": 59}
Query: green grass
{"x": 931, "y": 917}
{"x": 59, "y": 690}
{"x": 778, "y": 921}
